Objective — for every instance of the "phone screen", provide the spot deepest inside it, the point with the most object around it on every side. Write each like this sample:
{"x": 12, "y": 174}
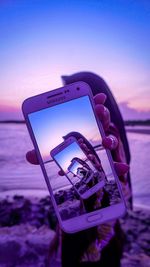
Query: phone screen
{"x": 50, "y": 126}
{"x": 81, "y": 169}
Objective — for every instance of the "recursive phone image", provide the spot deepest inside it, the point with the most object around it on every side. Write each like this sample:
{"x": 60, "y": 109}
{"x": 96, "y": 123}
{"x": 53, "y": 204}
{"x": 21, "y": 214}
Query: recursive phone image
{"x": 88, "y": 189}
{"x": 78, "y": 167}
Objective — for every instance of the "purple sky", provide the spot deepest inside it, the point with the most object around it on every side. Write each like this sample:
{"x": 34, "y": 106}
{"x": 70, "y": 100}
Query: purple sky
{"x": 58, "y": 121}
{"x": 42, "y": 40}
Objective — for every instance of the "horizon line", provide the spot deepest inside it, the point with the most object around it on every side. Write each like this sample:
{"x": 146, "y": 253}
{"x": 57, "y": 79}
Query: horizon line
{"x": 126, "y": 121}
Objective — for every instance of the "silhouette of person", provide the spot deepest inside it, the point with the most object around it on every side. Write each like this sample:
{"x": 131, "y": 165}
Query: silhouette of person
{"x": 102, "y": 245}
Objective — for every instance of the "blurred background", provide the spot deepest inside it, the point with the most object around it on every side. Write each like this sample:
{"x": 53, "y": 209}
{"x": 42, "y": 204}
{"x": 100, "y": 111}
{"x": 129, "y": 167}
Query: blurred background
{"x": 41, "y": 40}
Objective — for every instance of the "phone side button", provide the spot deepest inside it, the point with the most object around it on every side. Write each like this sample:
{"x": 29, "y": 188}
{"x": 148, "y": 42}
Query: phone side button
{"x": 94, "y": 217}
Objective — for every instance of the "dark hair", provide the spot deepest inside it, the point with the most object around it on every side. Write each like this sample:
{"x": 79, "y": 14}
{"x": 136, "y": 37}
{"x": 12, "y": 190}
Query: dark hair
{"x": 74, "y": 245}
{"x": 98, "y": 85}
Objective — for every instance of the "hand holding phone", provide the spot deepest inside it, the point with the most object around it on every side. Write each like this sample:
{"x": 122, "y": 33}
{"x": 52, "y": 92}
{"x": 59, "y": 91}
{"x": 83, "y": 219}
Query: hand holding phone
{"x": 51, "y": 116}
{"x": 81, "y": 166}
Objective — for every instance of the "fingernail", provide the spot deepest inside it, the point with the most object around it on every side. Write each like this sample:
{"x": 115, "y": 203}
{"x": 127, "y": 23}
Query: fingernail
{"x": 125, "y": 167}
{"x": 114, "y": 141}
{"x": 105, "y": 110}
{"x": 110, "y": 142}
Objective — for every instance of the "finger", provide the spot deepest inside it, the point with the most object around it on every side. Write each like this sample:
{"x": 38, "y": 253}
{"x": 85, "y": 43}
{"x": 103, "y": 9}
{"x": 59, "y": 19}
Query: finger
{"x": 100, "y": 98}
{"x": 32, "y": 157}
{"x": 80, "y": 141}
{"x": 85, "y": 148}
{"x": 103, "y": 114}
{"x": 61, "y": 173}
{"x": 110, "y": 142}
{"x": 91, "y": 157}
{"x": 121, "y": 168}
{"x": 94, "y": 160}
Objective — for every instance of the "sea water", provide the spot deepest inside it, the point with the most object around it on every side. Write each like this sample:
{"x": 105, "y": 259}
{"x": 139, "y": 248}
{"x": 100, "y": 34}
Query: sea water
{"x": 17, "y": 176}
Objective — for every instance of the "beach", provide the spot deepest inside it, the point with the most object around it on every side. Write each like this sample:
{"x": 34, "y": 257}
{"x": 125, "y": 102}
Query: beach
{"x": 136, "y": 226}
{"x": 73, "y": 73}
{"x": 27, "y": 218}
{"x": 17, "y": 176}
{"x": 28, "y": 229}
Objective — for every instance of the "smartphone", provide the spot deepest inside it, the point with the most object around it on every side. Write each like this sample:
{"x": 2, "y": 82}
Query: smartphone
{"x": 76, "y": 165}
{"x": 53, "y": 116}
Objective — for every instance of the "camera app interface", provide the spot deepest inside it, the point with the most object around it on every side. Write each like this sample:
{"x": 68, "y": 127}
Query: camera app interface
{"x": 87, "y": 182}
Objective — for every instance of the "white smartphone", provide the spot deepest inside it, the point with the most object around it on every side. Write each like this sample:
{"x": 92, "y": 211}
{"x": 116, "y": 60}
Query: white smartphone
{"x": 50, "y": 117}
{"x": 75, "y": 163}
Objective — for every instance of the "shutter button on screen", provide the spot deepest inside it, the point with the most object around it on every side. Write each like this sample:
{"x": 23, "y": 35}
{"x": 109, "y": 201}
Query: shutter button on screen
{"x": 94, "y": 217}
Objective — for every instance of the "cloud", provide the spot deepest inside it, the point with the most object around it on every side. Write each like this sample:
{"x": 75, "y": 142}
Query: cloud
{"x": 129, "y": 113}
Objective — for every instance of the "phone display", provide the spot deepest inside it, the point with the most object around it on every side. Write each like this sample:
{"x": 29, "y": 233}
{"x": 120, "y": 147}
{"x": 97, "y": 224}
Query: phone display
{"x": 78, "y": 165}
{"x": 50, "y": 125}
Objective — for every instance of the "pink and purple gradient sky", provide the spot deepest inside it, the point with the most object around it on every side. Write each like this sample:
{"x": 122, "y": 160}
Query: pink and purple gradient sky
{"x": 42, "y": 40}
{"x": 50, "y": 131}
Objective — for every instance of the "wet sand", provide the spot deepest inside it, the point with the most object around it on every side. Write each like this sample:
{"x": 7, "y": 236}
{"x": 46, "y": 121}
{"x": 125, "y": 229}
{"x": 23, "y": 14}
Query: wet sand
{"x": 138, "y": 130}
{"x": 27, "y": 229}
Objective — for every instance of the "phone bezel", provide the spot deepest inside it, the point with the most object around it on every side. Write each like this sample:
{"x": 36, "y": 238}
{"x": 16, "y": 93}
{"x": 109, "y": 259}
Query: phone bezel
{"x": 61, "y": 147}
{"x": 58, "y": 149}
{"x": 59, "y": 96}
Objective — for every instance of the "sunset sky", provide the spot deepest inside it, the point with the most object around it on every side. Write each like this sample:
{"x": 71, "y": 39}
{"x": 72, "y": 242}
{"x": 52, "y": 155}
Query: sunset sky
{"x": 58, "y": 121}
{"x": 40, "y": 40}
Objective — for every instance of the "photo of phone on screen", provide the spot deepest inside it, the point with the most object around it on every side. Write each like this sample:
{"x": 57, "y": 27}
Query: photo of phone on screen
{"x": 86, "y": 178}
{"x": 51, "y": 119}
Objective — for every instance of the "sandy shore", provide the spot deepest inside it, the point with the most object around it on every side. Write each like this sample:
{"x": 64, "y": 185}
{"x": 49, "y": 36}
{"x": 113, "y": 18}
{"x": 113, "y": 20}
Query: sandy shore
{"x": 143, "y": 130}
{"x": 27, "y": 229}
{"x": 136, "y": 226}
